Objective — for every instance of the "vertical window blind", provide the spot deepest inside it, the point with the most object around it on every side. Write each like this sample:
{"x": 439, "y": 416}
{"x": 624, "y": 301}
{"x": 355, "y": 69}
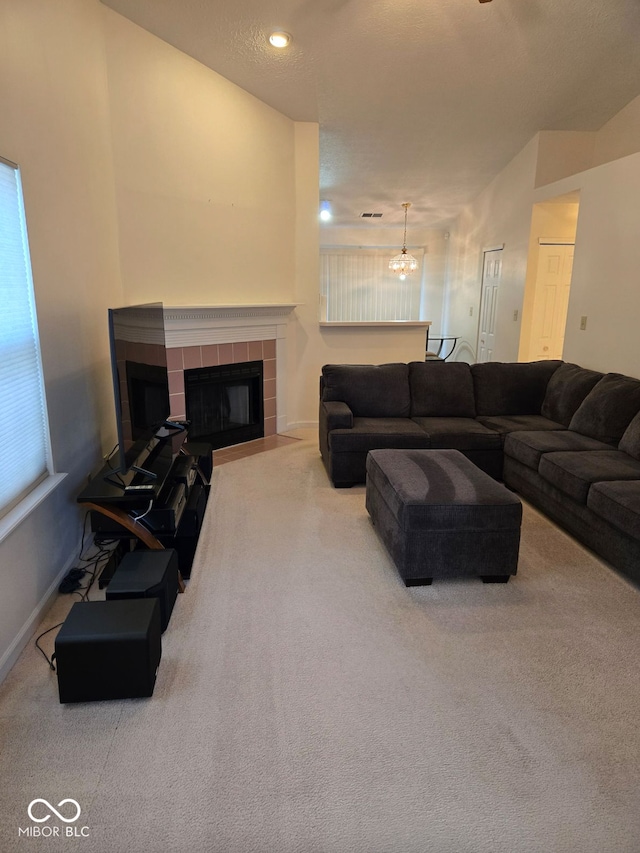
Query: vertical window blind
{"x": 24, "y": 433}
{"x": 356, "y": 285}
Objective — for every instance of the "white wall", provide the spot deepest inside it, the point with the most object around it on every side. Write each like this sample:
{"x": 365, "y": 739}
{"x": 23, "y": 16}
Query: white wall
{"x": 605, "y": 271}
{"x": 620, "y": 136}
{"x": 500, "y": 215}
{"x": 205, "y": 179}
{"x": 54, "y": 124}
{"x": 562, "y": 153}
{"x": 607, "y": 253}
{"x": 305, "y": 349}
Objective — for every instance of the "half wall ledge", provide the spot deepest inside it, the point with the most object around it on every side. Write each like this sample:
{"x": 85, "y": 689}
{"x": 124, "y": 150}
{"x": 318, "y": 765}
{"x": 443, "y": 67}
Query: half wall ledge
{"x": 394, "y": 324}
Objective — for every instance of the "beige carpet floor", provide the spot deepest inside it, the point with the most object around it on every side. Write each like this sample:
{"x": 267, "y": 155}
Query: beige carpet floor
{"x": 307, "y": 701}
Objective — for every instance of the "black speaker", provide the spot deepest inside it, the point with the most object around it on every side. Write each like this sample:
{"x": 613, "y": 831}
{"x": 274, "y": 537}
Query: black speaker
{"x": 147, "y": 574}
{"x": 185, "y": 541}
{"x": 109, "y": 650}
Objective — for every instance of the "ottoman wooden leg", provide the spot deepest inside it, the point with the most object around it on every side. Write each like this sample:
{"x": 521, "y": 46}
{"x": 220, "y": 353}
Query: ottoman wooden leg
{"x": 495, "y": 578}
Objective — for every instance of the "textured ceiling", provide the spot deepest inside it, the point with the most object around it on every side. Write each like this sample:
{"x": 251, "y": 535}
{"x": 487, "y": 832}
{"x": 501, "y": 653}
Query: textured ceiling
{"x": 417, "y": 100}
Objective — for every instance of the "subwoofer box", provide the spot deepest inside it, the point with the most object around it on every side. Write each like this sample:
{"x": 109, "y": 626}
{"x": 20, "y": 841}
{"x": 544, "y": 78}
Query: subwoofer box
{"x": 109, "y": 650}
{"x": 147, "y": 574}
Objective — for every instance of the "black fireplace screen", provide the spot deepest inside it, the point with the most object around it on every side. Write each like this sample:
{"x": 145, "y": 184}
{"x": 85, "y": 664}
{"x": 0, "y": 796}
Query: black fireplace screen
{"x": 224, "y": 405}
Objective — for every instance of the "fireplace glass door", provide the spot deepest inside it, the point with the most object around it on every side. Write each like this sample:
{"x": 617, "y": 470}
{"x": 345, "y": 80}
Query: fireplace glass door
{"x": 224, "y": 404}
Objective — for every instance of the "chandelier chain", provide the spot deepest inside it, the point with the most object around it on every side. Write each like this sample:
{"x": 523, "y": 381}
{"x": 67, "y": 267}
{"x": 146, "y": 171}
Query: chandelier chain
{"x": 404, "y": 264}
{"x": 404, "y": 241}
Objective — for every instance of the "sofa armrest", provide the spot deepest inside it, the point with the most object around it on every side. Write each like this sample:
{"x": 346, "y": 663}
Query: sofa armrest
{"x": 336, "y": 415}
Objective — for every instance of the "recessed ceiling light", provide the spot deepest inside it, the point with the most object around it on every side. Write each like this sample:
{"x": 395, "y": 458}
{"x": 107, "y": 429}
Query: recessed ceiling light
{"x": 325, "y": 211}
{"x": 280, "y": 39}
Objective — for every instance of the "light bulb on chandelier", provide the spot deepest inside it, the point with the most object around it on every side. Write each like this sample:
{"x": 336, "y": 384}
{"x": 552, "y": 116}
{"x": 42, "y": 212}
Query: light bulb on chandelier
{"x": 404, "y": 264}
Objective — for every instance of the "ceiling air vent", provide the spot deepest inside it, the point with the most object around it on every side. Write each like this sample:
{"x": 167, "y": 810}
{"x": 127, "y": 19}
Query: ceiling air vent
{"x": 370, "y": 215}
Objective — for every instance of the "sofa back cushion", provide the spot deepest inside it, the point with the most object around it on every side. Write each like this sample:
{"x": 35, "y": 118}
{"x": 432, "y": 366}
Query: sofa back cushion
{"x": 370, "y": 390}
{"x": 567, "y": 388}
{"x": 510, "y": 388}
{"x": 630, "y": 441}
{"x": 607, "y": 410}
{"x": 441, "y": 389}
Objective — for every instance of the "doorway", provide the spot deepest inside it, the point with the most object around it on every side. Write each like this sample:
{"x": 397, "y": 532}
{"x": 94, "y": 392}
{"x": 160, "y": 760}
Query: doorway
{"x": 551, "y": 300}
{"x": 548, "y": 280}
{"x": 491, "y": 273}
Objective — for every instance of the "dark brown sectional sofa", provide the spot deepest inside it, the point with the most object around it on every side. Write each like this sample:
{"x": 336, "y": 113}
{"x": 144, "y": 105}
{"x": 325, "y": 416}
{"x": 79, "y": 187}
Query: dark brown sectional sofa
{"x": 565, "y": 437}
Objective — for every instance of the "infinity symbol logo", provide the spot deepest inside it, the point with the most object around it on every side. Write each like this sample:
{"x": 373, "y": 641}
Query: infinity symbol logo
{"x": 54, "y": 810}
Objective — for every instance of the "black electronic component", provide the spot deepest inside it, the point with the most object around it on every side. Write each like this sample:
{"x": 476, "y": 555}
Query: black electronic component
{"x": 147, "y": 574}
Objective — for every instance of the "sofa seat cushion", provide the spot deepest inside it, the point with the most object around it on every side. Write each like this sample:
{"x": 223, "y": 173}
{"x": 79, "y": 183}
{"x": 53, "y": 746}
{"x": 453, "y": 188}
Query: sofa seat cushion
{"x": 567, "y": 388}
{"x": 528, "y": 447}
{"x": 459, "y": 433}
{"x": 441, "y": 389}
{"x": 372, "y": 433}
{"x": 573, "y": 472}
{"x": 607, "y": 410}
{"x": 369, "y": 390}
{"x": 504, "y": 424}
{"x": 617, "y": 502}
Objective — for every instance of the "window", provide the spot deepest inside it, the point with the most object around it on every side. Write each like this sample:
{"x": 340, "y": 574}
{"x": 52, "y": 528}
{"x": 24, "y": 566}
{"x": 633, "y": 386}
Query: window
{"x": 24, "y": 434}
{"x": 356, "y": 285}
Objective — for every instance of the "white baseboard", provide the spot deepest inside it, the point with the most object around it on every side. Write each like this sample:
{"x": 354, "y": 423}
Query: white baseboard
{"x": 26, "y": 632}
{"x": 302, "y": 425}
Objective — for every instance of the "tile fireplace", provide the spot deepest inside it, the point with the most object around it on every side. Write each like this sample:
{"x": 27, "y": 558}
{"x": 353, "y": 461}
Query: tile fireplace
{"x": 216, "y": 336}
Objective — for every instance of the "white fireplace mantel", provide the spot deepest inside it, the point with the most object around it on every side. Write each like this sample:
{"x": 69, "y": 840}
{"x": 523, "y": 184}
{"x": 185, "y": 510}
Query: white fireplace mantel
{"x": 199, "y": 325}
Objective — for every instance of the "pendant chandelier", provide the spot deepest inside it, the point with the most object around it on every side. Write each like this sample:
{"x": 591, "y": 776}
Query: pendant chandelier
{"x": 404, "y": 263}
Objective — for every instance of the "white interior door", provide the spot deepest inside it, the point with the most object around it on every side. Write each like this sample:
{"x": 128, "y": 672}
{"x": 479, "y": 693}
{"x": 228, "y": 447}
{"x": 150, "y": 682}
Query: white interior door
{"x": 491, "y": 272}
{"x": 551, "y": 301}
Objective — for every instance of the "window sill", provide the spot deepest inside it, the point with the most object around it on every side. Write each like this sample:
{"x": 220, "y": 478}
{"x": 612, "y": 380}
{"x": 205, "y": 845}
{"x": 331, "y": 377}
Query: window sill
{"x": 18, "y": 514}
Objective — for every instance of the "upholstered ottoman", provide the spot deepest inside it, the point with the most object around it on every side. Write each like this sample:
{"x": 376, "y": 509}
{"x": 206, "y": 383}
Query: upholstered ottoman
{"x": 440, "y": 516}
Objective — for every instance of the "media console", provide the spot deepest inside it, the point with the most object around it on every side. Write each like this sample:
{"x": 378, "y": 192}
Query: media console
{"x": 159, "y": 507}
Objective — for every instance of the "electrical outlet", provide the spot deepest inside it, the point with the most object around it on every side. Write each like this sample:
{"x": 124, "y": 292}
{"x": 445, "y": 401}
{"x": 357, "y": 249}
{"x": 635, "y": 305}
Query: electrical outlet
{"x": 583, "y": 323}
{"x": 471, "y": 310}
{"x": 515, "y": 315}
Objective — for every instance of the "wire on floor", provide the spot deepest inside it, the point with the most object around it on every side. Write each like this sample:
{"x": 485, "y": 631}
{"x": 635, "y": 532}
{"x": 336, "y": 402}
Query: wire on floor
{"x": 88, "y": 569}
